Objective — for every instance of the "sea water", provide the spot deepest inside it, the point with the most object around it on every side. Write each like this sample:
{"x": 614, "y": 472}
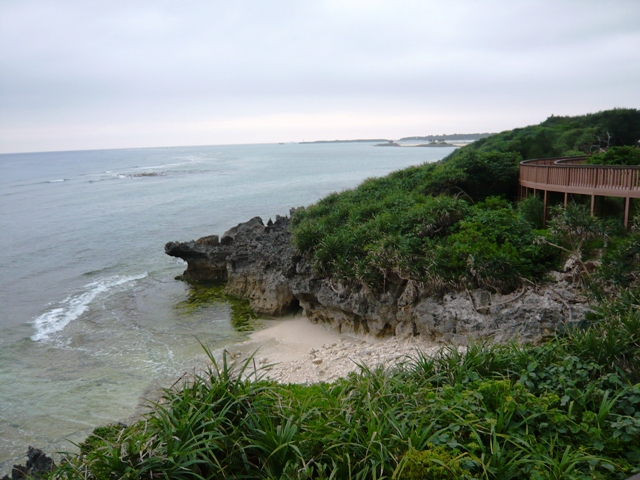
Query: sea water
{"x": 92, "y": 321}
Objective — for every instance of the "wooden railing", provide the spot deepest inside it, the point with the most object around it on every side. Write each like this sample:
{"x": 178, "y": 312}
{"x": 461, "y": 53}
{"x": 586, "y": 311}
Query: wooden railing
{"x": 570, "y": 176}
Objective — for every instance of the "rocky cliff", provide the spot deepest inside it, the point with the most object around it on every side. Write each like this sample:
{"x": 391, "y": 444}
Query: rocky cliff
{"x": 258, "y": 262}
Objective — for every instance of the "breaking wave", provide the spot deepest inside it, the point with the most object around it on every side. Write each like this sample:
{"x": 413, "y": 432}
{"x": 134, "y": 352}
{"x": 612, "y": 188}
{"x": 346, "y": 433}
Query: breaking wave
{"x": 73, "y": 306}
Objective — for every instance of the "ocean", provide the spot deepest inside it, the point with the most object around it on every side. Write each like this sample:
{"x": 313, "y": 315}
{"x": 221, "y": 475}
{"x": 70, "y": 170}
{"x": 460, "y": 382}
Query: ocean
{"x": 92, "y": 320}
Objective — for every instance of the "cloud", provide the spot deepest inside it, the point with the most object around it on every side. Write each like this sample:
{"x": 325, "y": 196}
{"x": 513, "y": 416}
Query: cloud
{"x": 117, "y": 72}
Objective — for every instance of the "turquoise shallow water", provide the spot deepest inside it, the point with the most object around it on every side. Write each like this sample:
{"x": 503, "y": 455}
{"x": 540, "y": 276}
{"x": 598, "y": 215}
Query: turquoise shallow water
{"x": 91, "y": 319}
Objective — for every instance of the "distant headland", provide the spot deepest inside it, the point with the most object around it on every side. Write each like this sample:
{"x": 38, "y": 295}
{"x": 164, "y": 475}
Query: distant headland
{"x": 360, "y": 140}
{"x": 444, "y": 140}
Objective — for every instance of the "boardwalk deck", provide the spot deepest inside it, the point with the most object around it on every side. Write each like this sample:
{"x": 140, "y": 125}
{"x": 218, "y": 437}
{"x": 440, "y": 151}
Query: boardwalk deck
{"x": 569, "y": 175}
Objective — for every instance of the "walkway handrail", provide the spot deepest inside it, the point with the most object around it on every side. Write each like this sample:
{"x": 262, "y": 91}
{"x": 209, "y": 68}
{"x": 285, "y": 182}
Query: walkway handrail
{"x": 569, "y": 175}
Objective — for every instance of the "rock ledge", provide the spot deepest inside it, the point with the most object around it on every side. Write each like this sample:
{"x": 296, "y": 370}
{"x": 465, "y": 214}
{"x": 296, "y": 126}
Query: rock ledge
{"x": 259, "y": 263}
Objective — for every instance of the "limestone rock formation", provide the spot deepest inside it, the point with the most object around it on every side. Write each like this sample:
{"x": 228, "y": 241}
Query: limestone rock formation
{"x": 206, "y": 262}
{"x": 258, "y": 262}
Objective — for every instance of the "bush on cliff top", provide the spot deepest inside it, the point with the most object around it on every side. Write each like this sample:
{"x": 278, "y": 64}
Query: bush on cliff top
{"x": 437, "y": 224}
{"x": 563, "y": 136}
{"x": 394, "y": 227}
{"x": 617, "y": 156}
{"x": 442, "y": 241}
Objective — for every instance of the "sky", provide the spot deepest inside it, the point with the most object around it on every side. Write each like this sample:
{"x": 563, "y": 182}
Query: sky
{"x": 85, "y": 74}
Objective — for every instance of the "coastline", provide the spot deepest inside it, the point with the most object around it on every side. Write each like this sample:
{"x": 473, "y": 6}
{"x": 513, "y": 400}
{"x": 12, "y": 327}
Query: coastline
{"x": 288, "y": 349}
{"x": 299, "y": 350}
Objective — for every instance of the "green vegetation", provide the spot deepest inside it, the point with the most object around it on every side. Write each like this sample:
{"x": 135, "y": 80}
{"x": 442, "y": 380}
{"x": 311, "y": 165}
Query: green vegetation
{"x": 566, "y": 136}
{"x": 568, "y": 409}
{"x": 398, "y": 227}
{"x": 565, "y": 409}
{"x": 442, "y": 241}
{"x": 439, "y": 224}
{"x": 617, "y": 156}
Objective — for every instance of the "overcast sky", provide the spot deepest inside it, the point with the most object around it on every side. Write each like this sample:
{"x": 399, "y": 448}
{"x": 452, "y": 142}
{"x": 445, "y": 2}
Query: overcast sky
{"x": 106, "y": 74}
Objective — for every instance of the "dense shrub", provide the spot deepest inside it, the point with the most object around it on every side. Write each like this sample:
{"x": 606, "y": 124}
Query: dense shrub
{"x": 477, "y": 174}
{"x": 620, "y": 268}
{"x": 441, "y": 241}
{"x": 561, "y": 136}
{"x": 629, "y": 155}
{"x": 374, "y": 231}
{"x": 532, "y": 210}
{"x": 494, "y": 247}
{"x": 428, "y": 222}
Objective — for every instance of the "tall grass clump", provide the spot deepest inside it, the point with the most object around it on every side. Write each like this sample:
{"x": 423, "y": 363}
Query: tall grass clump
{"x": 566, "y": 409}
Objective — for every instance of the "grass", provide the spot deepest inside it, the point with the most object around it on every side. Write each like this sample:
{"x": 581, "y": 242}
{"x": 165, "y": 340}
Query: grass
{"x": 567, "y": 409}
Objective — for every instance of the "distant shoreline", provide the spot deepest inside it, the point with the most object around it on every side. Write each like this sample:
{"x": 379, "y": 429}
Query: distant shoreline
{"x": 430, "y": 139}
{"x": 362, "y": 140}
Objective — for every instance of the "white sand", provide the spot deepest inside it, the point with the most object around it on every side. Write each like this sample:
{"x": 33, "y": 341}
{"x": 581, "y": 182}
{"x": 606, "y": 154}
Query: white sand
{"x": 297, "y": 351}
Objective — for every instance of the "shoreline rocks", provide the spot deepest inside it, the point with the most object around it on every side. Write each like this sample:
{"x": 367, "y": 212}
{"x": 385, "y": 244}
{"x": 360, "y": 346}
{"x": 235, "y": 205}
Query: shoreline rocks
{"x": 259, "y": 263}
{"x": 38, "y": 466}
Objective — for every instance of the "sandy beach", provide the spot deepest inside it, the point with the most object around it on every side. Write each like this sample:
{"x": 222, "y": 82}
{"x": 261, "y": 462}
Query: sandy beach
{"x": 297, "y": 351}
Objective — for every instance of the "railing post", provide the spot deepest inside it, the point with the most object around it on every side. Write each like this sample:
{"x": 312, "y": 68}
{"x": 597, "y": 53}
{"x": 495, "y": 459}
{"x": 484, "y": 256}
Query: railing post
{"x": 627, "y": 202}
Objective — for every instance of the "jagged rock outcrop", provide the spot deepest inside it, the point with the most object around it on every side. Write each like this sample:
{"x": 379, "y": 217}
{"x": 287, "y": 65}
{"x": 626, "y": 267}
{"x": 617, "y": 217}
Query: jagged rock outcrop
{"x": 257, "y": 261}
{"x": 206, "y": 260}
{"x": 260, "y": 263}
{"x": 38, "y": 466}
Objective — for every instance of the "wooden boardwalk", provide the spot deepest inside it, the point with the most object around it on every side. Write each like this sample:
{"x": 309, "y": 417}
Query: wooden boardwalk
{"x": 569, "y": 175}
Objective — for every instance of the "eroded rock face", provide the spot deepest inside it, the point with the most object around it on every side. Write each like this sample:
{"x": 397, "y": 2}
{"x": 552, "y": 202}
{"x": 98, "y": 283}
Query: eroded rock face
{"x": 260, "y": 263}
{"x": 206, "y": 261}
{"x": 528, "y": 315}
{"x": 255, "y": 260}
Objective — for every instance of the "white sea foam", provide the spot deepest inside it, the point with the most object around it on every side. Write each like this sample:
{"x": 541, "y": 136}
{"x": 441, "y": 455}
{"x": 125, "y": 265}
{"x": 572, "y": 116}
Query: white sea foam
{"x": 56, "y": 181}
{"x": 73, "y": 306}
{"x": 169, "y": 165}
